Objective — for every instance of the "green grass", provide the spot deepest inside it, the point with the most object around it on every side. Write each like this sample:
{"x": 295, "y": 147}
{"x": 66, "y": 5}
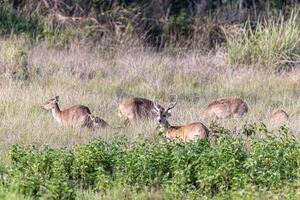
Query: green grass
{"x": 272, "y": 43}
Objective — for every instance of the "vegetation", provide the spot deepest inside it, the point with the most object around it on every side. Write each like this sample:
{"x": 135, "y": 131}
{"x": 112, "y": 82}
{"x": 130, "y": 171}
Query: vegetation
{"x": 98, "y": 52}
{"x": 252, "y": 32}
{"x": 272, "y": 43}
{"x": 222, "y": 168}
{"x": 68, "y": 168}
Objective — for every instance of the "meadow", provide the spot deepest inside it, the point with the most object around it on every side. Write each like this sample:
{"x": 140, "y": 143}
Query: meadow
{"x": 100, "y": 78}
{"x": 246, "y": 158}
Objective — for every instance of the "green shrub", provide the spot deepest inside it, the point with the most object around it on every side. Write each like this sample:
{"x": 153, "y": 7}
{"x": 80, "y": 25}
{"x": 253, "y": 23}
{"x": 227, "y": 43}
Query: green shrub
{"x": 93, "y": 162}
{"x": 45, "y": 173}
{"x": 225, "y": 167}
{"x": 273, "y": 162}
{"x": 12, "y": 22}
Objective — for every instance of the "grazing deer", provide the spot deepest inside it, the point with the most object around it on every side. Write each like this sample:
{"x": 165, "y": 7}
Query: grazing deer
{"x": 225, "y": 108}
{"x": 279, "y": 117}
{"x": 134, "y": 108}
{"x": 77, "y": 115}
{"x": 187, "y": 132}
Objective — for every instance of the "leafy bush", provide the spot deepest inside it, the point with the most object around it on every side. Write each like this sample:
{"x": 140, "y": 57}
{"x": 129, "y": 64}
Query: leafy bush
{"x": 93, "y": 162}
{"x": 43, "y": 173}
{"x": 221, "y": 168}
{"x": 12, "y": 22}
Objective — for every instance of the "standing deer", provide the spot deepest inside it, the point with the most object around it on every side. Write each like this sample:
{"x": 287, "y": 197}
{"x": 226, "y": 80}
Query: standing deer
{"x": 134, "y": 108}
{"x": 77, "y": 115}
{"x": 225, "y": 108}
{"x": 188, "y": 132}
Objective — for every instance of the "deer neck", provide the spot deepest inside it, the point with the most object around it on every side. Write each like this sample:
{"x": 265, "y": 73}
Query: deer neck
{"x": 56, "y": 113}
{"x": 172, "y": 131}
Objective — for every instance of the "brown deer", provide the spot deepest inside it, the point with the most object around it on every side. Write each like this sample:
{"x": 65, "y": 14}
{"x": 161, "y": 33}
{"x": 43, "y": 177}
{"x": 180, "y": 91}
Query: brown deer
{"x": 188, "y": 132}
{"x": 97, "y": 122}
{"x": 279, "y": 117}
{"x": 77, "y": 115}
{"x": 225, "y": 108}
{"x": 134, "y": 108}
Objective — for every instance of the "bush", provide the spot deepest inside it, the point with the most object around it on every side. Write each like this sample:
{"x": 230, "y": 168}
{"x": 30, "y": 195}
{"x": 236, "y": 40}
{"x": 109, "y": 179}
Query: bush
{"x": 12, "y": 22}
{"x": 224, "y": 167}
{"x": 45, "y": 173}
{"x": 94, "y": 162}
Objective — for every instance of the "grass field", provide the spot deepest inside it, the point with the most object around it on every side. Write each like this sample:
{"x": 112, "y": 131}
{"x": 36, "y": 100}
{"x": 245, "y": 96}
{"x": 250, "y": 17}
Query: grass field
{"x": 100, "y": 78}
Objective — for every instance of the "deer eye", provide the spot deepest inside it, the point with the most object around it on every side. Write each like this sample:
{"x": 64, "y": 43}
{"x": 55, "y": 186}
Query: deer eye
{"x": 164, "y": 115}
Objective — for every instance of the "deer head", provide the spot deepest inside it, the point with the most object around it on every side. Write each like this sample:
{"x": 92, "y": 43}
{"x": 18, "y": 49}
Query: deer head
{"x": 50, "y": 104}
{"x": 163, "y": 114}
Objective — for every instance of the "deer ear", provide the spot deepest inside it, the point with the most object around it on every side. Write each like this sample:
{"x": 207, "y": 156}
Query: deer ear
{"x": 56, "y": 98}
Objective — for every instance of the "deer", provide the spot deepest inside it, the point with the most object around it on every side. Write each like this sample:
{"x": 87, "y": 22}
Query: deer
{"x": 279, "y": 117}
{"x": 135, "y": 108}
{"x": 226, "y": 107}
{"x": 97, "y": 122}
{"x": 77, "y": 115}
{"x": 187, "y": 133}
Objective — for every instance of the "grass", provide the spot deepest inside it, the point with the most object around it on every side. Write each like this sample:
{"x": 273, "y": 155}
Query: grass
{"x": 273, "y": 43}
{"x": 100, "y": 80}
{"x": 80, "y": 75}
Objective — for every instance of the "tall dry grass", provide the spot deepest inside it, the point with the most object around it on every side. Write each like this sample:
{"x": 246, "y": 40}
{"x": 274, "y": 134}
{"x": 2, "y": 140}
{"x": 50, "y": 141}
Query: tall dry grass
{"x": 100, "y": 80}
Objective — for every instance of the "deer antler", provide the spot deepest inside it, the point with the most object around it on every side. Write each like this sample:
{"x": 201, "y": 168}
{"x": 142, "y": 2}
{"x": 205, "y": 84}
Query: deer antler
{"x": 156, "y": 107}
{"x": 172, "y": 104}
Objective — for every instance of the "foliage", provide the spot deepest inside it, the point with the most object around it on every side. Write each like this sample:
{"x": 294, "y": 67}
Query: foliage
{"x": 156, "y": 23}
{"x": 10, "y": 21}
{"x": 201, "y": 168}
{"x": 47, "y": 173}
